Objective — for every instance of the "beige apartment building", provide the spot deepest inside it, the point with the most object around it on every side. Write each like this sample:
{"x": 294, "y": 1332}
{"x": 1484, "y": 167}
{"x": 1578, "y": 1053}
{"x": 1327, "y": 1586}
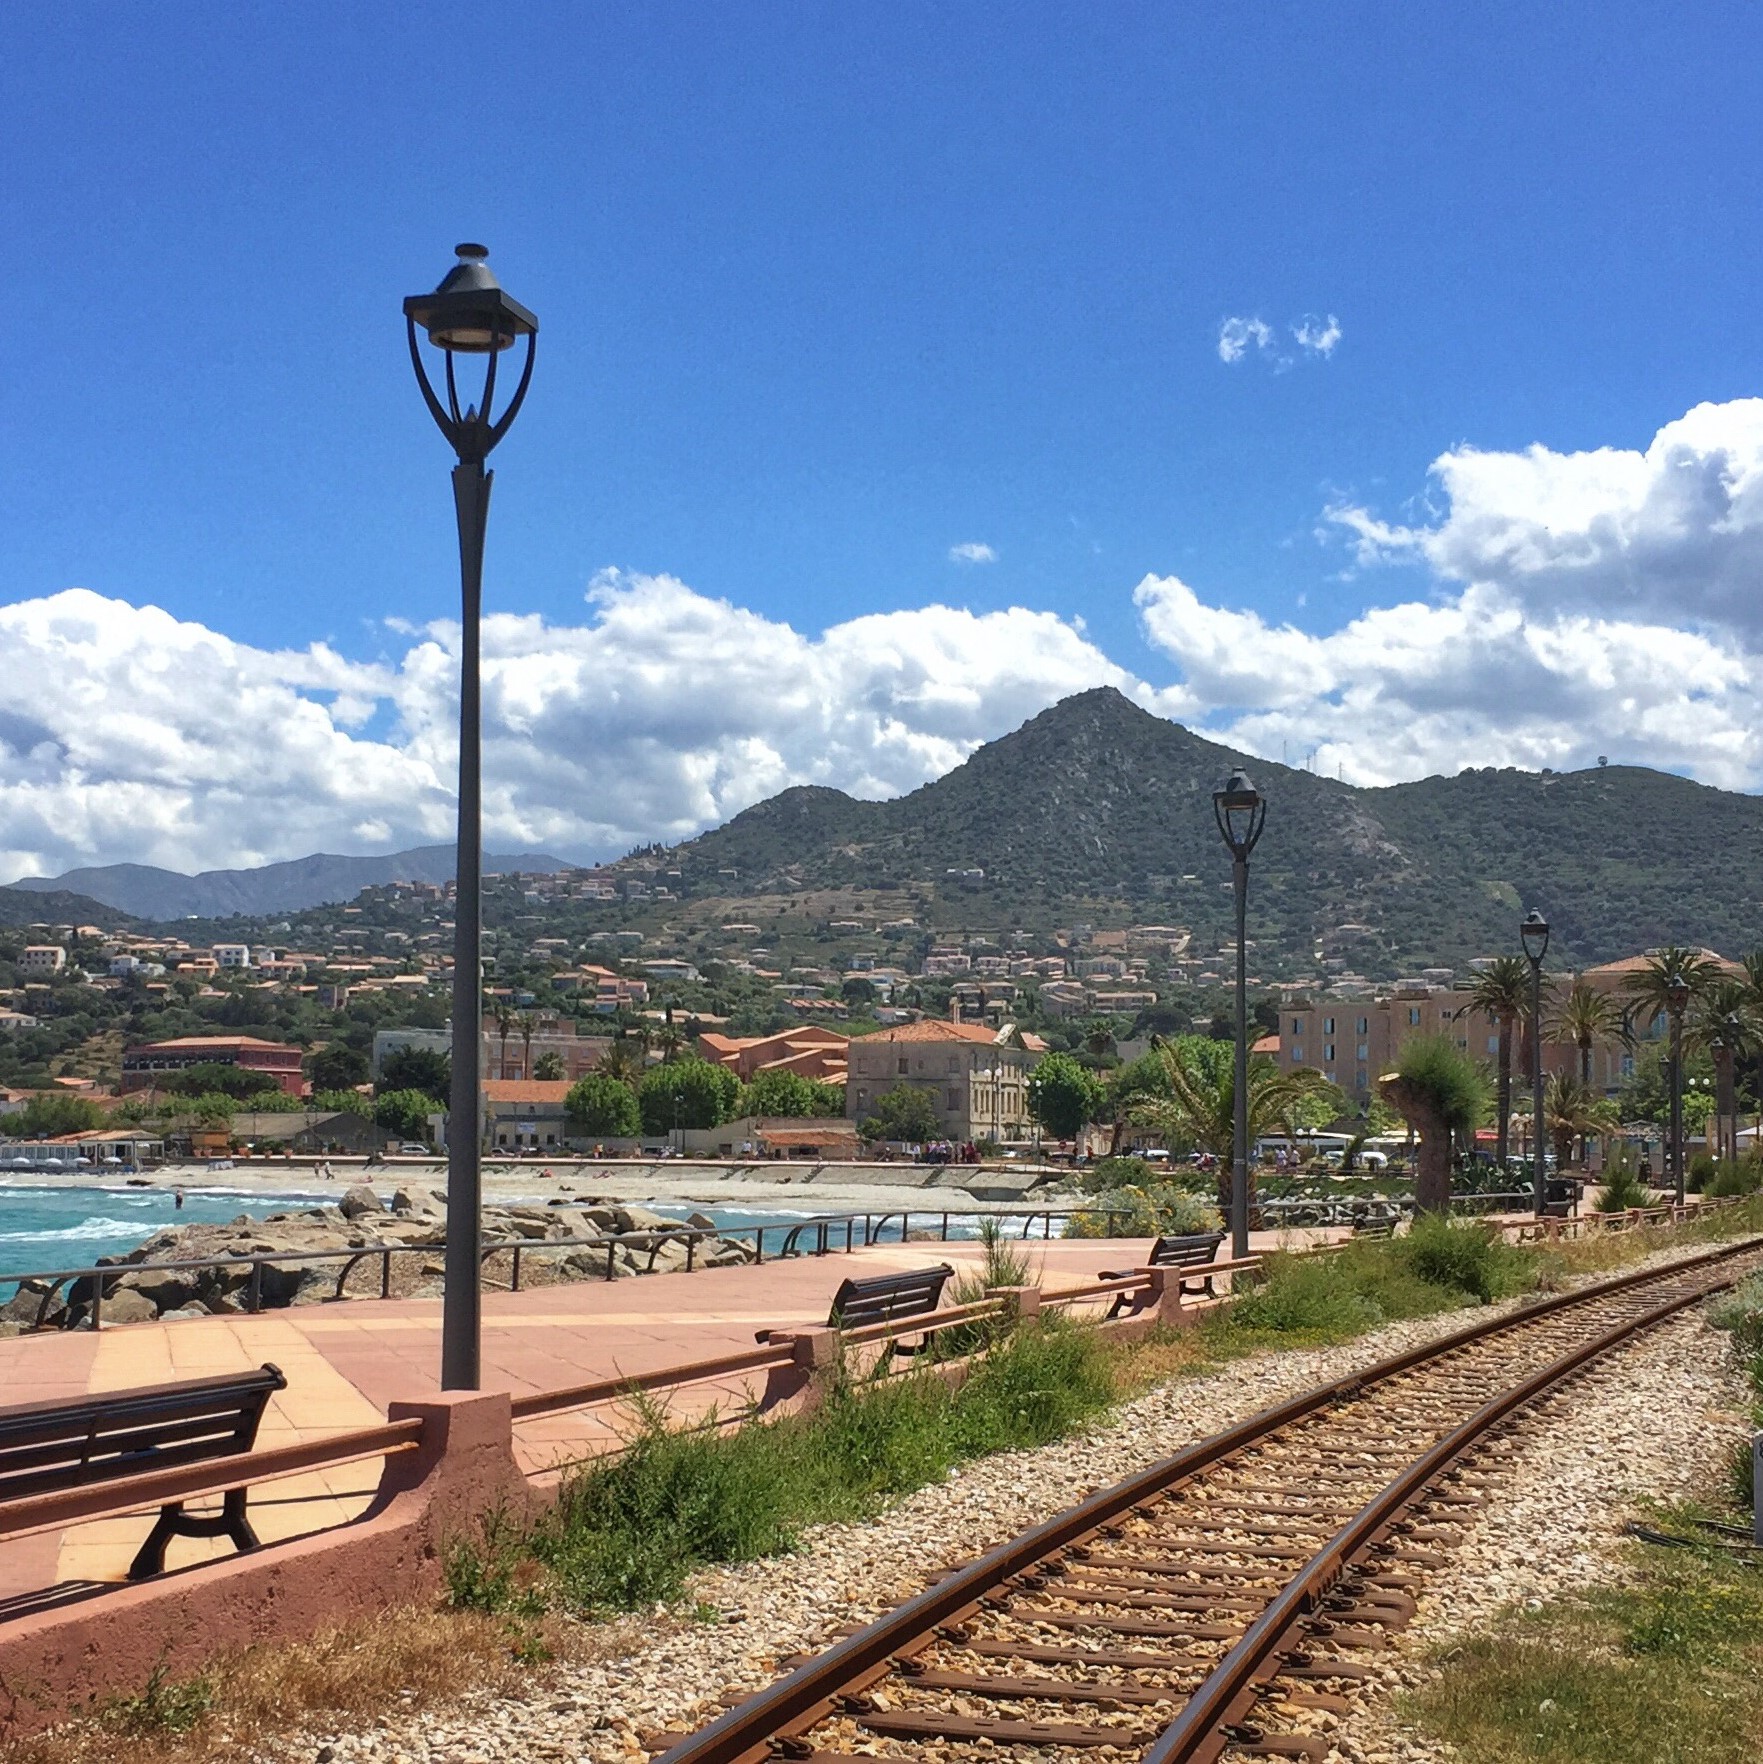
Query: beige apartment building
{"x": 975, "y": 1076}
{"x": 1353, "y": 1041}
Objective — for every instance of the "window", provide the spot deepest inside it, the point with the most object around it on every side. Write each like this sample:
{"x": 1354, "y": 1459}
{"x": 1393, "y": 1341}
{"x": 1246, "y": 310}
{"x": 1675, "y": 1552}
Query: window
{"x": 1363, "y": 1051}
{"x": 1328, "y": 1025}
{"x": 1328, "y": 1052}
{"x": 1362, "y": 1079}
{"x": 954, "y": 1062}
{"x": 1297, "y": 1025}
{"x": 1414, "y": 1016}
{"x": 1297, "y": 1055}
{"x": 954, "y": 1099}
{"x": 905, "y": 1066}
{"x": 1364, "y": 1025}
{"x": 1493, "y": 1044}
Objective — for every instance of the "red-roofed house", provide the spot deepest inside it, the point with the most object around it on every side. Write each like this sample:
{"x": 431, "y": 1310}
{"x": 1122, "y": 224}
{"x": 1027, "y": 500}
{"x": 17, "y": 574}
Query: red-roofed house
{"x": 975, "y": 1076}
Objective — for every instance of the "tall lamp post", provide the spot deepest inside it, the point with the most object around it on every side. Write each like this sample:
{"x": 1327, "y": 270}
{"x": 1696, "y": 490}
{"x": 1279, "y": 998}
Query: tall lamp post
{"x": 1534, "y": 935}
{"x": 468, "y": 315}
{"x": 1677, "y": 998}
{"x": 1241, "y": 812}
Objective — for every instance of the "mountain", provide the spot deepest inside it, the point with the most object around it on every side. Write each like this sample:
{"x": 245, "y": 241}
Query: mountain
{"x": 1098, "y": 810}
{"x": 149, "y": 893}
{"x": 55, "y": 906}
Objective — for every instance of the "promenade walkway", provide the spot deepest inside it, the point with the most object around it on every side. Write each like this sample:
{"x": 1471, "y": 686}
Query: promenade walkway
{"x": 344, "y": 1362}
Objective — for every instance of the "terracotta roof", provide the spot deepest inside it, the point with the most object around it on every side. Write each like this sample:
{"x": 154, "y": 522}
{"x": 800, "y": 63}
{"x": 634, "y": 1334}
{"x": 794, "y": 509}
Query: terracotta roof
{"x": 934, "y": 1029}
{"x": 192, "y": 1042}
{"x": 784, "y": 1136}
{"x": 526, "y": 1090}
{"x": 1269, "y": 1044}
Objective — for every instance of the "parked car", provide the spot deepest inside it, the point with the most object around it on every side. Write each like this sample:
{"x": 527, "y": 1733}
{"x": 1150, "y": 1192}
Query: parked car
{"x": 410, "y": 1149}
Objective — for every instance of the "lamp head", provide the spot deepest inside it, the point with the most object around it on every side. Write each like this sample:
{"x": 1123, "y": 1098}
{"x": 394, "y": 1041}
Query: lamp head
{"x": 1534, "y": 935}
{"x": 469, "y": 314}
{"x": 1240, "y": 810}
{"x": 1677, "y": 994}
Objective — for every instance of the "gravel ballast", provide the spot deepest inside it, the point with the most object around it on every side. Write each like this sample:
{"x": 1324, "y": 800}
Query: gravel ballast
{"x": 1648, "y": 1429}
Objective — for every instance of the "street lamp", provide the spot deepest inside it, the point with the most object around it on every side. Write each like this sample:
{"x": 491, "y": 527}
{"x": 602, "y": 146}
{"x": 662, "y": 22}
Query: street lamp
{"x": 1534, "y": 935}
{"x": 1677, "y": 997}
{"x": 468, "y": 315}
{"x": 1240, "y": 811}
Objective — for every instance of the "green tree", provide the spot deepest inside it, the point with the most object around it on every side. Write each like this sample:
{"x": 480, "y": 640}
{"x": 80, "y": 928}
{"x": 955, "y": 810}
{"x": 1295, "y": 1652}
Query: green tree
{"x": 1725, "y": 1021}
{"x": 790, "y": 1094}
{"x": 1502, "y": 993}
{"x": 1441, "y": 1093}
{"x": 903, "y": 1115}
{"x": 215, "y": 1109}
{"x": 416, "y": 1068}
{"x": 55, "y": 1113}
{"x": 336, "y": 1066}
{"x": 1583, "y": 1016}
{"x": 404, "y": 1113}
{"x": 1063, "y": 1095}
{"x": 343, "y": 1102}
{"x": 688, "y": 1092}
{"x": 602, "y": 1106}
{"x": 213, "y": 1078}
{"x": 857, "y": 991}
{"x": 549, "y": 1068}
{"x": 1573, "y": 1109}
{"x": 1198, "y": 1106}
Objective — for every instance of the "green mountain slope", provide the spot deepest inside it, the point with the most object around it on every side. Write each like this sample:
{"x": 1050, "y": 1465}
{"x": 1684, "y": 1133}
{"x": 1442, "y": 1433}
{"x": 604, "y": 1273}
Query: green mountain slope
{"x": 1096, "y": 809}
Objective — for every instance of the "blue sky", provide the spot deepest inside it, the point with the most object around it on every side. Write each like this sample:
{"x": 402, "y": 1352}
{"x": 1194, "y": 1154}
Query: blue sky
{"x": 827, "y": 291}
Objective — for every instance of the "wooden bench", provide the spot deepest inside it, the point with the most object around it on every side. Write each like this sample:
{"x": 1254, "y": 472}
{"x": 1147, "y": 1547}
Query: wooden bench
{"x": 1172, "y": 1252}
{"x": 77, "y": 1441}
{"x": 880, "y": 1298}
{"x": 1374, "y": 1228}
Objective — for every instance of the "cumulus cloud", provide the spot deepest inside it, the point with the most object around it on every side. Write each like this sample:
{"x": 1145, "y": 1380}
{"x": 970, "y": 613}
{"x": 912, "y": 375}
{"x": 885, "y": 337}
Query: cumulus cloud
{"x": 1674, "y": 531}
{"x": 1576, "y": 604}
{"x": 1317, "y": 336}
{"x": 166, "y": 742}
{"x": 1238, "y": 336}
{"x": 972, "y": 552}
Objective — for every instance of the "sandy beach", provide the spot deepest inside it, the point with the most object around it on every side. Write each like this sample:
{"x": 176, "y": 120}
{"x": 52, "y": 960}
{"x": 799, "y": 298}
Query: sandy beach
{"x": 759, "y": 1187}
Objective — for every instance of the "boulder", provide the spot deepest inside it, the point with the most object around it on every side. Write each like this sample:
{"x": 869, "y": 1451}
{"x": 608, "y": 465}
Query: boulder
{"x": 702, "y": 1221}
{"x": 182, "y": 1313}
{"x": 127, "y": 1305}
{"x": 21, "y": 1308}
{"x": 360, "y": 1200}
{"x": 641, "y": 1219}
{"x": 416, "y": 1200}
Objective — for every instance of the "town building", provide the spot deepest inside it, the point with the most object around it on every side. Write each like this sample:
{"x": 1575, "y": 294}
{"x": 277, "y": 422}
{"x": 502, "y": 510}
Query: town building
{"x": 976, "y": 1077}
{"x": 42, "y": 958}
{"x": 147, "y": 1066}
{"x": 811, "y": 1051}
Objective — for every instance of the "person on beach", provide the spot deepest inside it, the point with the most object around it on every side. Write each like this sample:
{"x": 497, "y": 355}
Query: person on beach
{"x": 177, "y": 1200}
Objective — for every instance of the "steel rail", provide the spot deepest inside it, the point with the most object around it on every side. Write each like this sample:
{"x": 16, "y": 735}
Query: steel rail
{"x": 745, "y": 1733}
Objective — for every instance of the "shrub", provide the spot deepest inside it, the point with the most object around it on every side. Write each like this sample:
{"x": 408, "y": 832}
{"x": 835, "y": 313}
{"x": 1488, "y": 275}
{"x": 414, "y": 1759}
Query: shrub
{"x": 1120, "y": 1172}
{"x": 1158, "y": 1210}
{"x": 1740, "y": 1314}
{"x": 1461, "y": 1258}
{"x": 1622, "y": 1185}
{"x": 1699, "y": 1172}
{"x": 1743, "y": 1177}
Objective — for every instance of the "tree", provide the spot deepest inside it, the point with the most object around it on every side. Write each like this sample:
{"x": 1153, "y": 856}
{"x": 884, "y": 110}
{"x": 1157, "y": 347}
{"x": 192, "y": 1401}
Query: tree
{"x": 336, "y": 1066}
{"x": 790, "y": 1094}
{"x": 1099, "y": 1039}
{"x": 548, "y": 1068}
{"x": 1725, "y": 1021}
{"x": 404, "y": 1113}
{"x": 1650, "y": 987}
{"x": 528, "y": 1028}
{"x": 1441, "y": 1093}
{"x": 602, "y": 1106}
{"x": 857, "y": 991}
{"x": 1502, "y": 993}
{"x": 342, "y": 1102}
{"x": 212, "y": 1078}
{"x": 1572, "y": 1110}
{"x": 902, "y": 1114}
{"x": 504, "y": 1028}
{"x": 1199, "y": 1104}
{"x": 416, "y": 1068}
{"x": 215, "y": 1109}
{"x": 1124, "y": 1087}
{"x": 1063, "y": 1095}
{"x": 622, "y": 1061}
{"x": 1583, "y": 1016}
{"x": 688, "y": 1093}
{"x": 54, "y": 1113}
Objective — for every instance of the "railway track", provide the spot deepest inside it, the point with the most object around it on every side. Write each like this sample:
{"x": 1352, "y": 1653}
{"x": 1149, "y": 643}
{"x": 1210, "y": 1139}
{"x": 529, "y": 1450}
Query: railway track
{"x": 1223, "y": 1602}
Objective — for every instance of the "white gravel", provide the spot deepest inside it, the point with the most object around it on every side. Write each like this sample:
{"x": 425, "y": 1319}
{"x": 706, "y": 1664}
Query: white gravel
{"x": 659, "y": 1671}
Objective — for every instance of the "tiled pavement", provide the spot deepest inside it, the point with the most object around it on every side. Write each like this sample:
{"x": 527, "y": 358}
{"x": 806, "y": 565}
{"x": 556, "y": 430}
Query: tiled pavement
{"x": 345, "y": 1361}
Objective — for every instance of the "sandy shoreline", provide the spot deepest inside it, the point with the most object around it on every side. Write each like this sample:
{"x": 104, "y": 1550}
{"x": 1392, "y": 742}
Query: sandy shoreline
{"x": 780, "y": 1189}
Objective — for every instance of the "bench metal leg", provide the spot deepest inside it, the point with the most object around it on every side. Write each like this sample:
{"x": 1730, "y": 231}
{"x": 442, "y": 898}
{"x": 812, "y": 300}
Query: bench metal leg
{"x": 173, "y": 1521}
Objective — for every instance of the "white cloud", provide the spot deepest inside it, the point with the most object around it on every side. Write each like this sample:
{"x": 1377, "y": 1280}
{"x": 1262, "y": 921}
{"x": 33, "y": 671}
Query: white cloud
{"x": 1578, "y": 604}
{"x": 1237, "y": 336}
{"x": 972, "y": 552}
{"x": 1674, "y": 532}
{"x": 1317, "y": 336}
{"x": 663, "y": 712}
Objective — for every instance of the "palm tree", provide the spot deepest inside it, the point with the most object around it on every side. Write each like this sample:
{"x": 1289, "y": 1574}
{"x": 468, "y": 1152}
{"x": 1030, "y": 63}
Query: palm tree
{"x": 528, "y": 1027}
{"x": 1725, "y": 1021}
{"x": 670, "y": 1041}
{"x": 1201, "y": 1105}
{"x": 1099, "y": 1040}
{"x": 1650, "y": 987}
{"x": 621, "y": 1061}
{"x": 1572, "y": 1109}
{"x": 1442, "y": 1094}
{"x": 1583, "y": 1016}
{"x": 1502, "y": 992}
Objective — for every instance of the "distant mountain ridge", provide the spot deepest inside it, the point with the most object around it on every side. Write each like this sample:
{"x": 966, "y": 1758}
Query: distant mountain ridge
{"x": 145, "y": 892}
{"x": 1097, "y": 805}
